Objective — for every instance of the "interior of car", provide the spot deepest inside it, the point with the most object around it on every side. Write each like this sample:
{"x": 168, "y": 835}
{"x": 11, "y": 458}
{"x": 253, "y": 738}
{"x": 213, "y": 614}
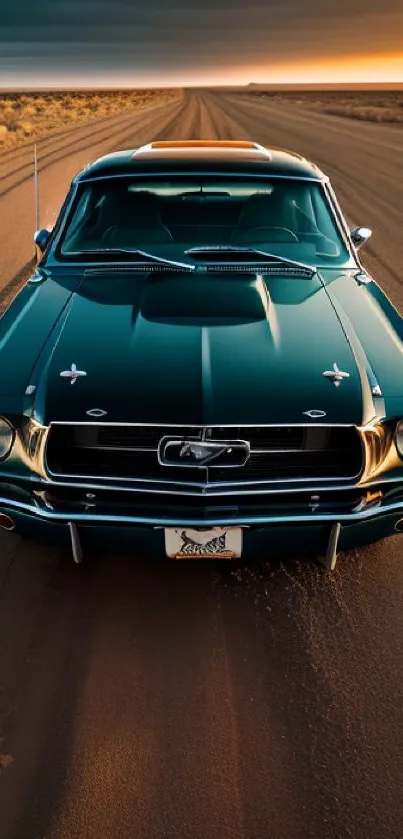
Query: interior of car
{"x": 127, "y": 216}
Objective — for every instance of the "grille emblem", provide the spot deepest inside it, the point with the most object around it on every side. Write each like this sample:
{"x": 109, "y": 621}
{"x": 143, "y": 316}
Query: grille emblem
{"x": 203, "y": 453}
{"x": 175, "y": 451}
{"x": 73, "y": 374}
{"x": 336, "y": 375}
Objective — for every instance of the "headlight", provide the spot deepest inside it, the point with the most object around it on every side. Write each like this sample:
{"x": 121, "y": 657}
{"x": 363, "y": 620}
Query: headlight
{"x": 399, "y": 438}
{"x": 6, "y": 438}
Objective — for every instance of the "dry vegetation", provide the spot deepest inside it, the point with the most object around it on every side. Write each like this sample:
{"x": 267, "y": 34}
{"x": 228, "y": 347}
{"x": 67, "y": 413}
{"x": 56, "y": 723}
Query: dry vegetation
{"x": 373, "y": 106}
{"x": 30, "y": 115}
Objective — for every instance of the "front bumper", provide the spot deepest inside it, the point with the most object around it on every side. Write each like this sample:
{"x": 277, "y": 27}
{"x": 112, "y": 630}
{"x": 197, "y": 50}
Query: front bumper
{"x": 301, "y": 522}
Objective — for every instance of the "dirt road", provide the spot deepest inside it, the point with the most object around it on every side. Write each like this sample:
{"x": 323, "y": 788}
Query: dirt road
{"x": 147, "y": 699}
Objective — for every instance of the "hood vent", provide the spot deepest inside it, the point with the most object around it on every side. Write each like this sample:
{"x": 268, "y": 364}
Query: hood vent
{"x": 265, "y": 270}
{"x": 136, "y": 268}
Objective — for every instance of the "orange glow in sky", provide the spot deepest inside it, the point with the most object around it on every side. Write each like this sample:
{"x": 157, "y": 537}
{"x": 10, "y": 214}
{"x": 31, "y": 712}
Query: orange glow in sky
{"x": 374, "y": 68}
{"x": 128, "y": 43}
{"x": 369, "y": 69}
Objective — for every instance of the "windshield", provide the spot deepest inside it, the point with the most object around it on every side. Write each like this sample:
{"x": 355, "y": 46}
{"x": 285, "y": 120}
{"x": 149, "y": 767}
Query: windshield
{"x": 289, "y": 218}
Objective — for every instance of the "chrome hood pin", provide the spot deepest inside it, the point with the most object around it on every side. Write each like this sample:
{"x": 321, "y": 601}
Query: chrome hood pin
{"x": 73, "y": 374}
{"x": 336, "y": 375}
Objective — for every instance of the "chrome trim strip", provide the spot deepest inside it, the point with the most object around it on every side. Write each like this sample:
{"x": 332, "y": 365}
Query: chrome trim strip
{"x": 206, "y": 491}
{"x": 340, "y": 221}
{"x": 210, "y": 491}
{"x": 197, "y": 173}
{"x": 152, "y": 449}
{"x": 372, "y": 512}
{"x": 65, "y": 263}
{"x": 101, "y": 448}
{"x": 199, "y": 491}
{"x": 215, "y": 425}
{"x": 203, "y": 485}
{"x": 60, "y": 225}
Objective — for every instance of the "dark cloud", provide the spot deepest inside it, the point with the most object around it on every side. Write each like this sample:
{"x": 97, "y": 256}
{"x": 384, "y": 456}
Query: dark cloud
{"x": 150, "y": 37}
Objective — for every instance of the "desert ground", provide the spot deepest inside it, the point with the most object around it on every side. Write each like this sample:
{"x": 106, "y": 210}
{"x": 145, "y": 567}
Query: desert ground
{"x": 34, "y": 115}
{"x": 148, "y": 699}
{"x": 368, "y": 105}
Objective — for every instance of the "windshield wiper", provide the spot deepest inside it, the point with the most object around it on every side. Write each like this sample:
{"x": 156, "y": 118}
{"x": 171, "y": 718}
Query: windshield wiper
{"x": 237, "y": 254}
{"x": 135, "y": 256}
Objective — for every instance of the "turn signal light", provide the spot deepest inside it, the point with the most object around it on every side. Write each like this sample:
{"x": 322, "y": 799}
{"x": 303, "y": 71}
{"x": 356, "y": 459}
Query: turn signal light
{"x": 6, "y": 522}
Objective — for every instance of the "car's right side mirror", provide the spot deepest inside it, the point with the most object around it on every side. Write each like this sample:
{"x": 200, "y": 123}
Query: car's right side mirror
{"x": 360, "y": 236}
{"x": 41, "y": 240}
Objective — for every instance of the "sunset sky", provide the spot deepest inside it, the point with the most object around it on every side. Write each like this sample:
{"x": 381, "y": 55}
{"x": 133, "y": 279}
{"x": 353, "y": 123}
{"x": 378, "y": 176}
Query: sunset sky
{"x": 153, "y": 42}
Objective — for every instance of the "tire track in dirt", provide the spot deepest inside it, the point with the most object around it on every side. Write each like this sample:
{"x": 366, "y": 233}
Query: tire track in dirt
{"x": 63, "y": 148}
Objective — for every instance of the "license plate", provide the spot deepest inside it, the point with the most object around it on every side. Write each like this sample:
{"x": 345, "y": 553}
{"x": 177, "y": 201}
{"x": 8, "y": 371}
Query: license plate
{"x": 215, "y": 543}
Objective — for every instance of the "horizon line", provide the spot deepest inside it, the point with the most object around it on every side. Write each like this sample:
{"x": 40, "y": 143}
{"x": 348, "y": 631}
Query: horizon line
{"x": 142, "y": 86}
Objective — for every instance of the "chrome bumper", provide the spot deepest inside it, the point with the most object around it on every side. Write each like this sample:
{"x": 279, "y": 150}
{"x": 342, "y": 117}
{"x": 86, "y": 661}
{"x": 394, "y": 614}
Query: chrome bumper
{"x": 35, "y": 504}
{"x": 325, "y": 532}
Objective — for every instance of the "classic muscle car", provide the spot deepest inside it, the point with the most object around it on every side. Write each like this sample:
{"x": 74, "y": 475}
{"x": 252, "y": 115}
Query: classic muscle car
{"x": 200, "y": 357}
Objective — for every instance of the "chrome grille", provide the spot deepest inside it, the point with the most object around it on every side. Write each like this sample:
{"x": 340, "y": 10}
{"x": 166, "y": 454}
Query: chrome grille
{"x": 130, "y": 452}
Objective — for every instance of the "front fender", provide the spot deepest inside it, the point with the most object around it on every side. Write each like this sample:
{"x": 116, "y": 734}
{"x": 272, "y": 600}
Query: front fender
{"x": 24, "y": 328}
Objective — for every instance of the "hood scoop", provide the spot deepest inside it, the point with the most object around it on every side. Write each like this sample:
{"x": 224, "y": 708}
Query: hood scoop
{"x": 204, "y": 301}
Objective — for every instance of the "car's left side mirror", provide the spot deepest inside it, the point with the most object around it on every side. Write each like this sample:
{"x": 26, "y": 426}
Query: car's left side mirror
{"x": 41, "y": 240}
{"x": 360, "y": 236}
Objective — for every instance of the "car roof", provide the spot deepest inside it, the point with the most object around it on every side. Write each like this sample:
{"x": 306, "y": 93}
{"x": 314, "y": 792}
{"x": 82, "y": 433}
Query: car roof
{"x": 237, "y": 157}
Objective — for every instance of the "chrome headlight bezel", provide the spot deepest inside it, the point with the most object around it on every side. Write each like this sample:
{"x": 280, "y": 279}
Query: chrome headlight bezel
{"x": 7, "y": 437}
{"x": 399, "y": 438}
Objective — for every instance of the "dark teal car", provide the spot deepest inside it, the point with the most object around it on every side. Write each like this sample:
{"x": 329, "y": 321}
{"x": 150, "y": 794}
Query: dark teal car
{"x": 200, "y": 360}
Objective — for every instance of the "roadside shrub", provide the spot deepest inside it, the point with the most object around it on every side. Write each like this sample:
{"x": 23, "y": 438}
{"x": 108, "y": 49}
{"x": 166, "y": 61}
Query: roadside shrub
{"x": 25, "y": 126}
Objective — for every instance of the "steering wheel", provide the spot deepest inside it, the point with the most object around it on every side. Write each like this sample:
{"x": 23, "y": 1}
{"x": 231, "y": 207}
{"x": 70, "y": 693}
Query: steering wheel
{"x": 260, "y": 234}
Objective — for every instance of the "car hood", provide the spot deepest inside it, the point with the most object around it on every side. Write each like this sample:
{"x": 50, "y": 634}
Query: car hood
{"x": 198, "y": 349}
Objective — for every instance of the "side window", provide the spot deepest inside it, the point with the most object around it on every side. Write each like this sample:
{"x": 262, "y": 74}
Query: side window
{"x": 323, "y": 218}
{"x": 304, "y": 211}
{"x": 81, "y": 215}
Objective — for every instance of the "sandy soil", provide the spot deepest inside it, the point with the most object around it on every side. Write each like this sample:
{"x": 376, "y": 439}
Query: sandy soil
{"x": 35, "y": 115}
{"x": 370, "y": 106}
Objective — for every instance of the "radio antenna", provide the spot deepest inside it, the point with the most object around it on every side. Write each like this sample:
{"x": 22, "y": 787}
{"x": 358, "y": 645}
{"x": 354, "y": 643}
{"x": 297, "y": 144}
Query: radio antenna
{"x": 36, "y": 185}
